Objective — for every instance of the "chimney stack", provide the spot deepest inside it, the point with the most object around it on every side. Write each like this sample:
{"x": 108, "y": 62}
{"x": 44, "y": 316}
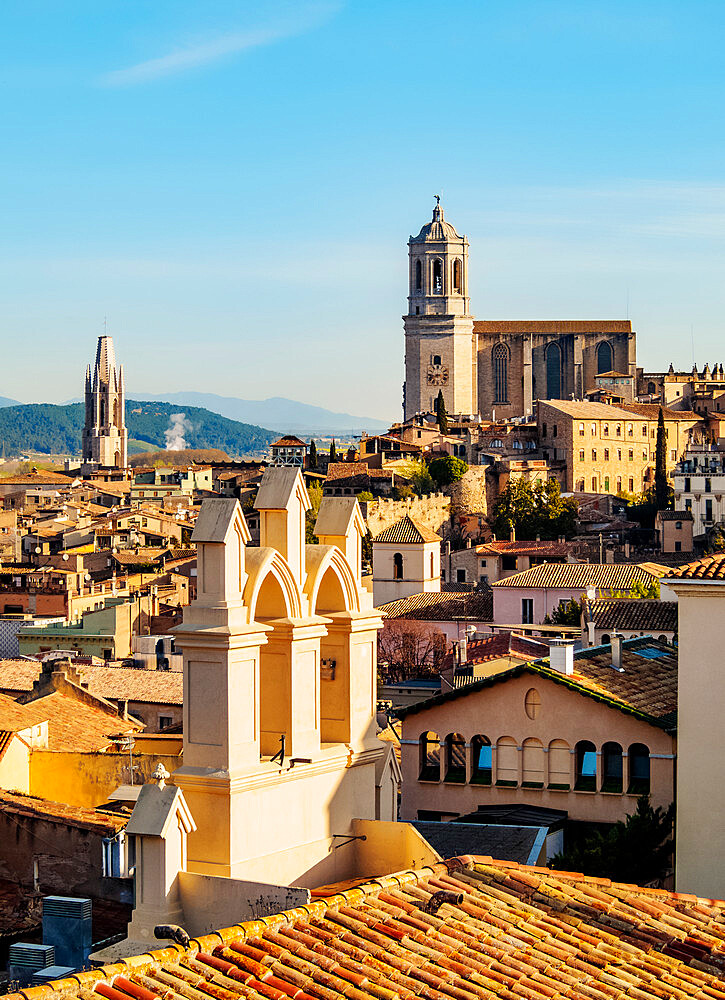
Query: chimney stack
{"x": 617, "y": 640}
{"x": 561, "y": 655}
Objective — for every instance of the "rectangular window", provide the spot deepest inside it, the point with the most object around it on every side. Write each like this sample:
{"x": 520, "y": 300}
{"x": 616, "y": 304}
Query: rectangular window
{"x": 645, "y": 455}
{"x": 631, "y": 455}
{"x": 619, "y": 454}
{"x": 708, "y": 510}
{"x": 527, "y": 611}
{"x": 483, "y": 564}
{"x": 508, "y": 562}
{"x": 708, "y": 485}
{"x": 460, "y": 576}
{"x": 687, "y": 485}
{"x": 581, "y": 455}
{"x": 688, "y": 504}
{"x": 606, "y": 454}
{"x": 606, "y": 430}
{"x": 631, "y": 485}
{"x": 581, "y": 430}
{"x": 594, "y": 455}
{"x": 644, "y": 430}
{"x": 678, "y": 546}
{"x": 594, "y": 484}
{"x": 164, "y": 721}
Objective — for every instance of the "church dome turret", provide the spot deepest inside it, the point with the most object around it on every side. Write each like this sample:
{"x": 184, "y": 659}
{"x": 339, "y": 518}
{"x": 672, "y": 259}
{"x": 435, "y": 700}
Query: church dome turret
{"x": 437, "y": 230}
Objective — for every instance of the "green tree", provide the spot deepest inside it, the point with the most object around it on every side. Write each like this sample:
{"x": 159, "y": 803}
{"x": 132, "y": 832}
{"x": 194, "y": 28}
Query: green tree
{"x": 315, "y": 494}
{"x": 333, "y": 451}
{"x": 365, "y": 497}
{"x": 447, "y": 470}
{"x": 313, "y": 455}
{"x": 638, "y": 850}
{"x": 662, "y": 493}
{"x": 415, "y": 471}
{"x": 533, "y": 509}
{"x": 441, "y": 413}
{"x": 566, "y": 613}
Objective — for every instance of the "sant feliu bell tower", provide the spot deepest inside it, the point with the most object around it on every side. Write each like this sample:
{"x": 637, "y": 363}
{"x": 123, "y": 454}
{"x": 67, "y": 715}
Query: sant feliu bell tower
{"x": 439, "y": 350}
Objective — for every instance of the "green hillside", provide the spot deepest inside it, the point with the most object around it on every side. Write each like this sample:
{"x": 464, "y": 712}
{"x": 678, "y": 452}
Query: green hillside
{"x": 53, "y": 429}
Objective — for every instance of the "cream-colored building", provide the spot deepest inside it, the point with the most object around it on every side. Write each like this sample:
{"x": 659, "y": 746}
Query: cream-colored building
{"x": 406, "y": 561}
{"x": 700, "y": 834}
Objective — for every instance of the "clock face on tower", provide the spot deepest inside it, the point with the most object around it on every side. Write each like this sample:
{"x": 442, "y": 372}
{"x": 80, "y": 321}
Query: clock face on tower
{"x": 437, "y": 375}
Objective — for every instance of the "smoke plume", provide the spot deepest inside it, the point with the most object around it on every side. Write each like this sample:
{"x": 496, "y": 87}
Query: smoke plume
{"x": 175, "y": 433}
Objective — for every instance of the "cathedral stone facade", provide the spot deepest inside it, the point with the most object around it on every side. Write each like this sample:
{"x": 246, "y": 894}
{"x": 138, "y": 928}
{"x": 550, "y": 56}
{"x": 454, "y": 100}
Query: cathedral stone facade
{"x": 489, "y": 367}
{"x": 105, "y": 437}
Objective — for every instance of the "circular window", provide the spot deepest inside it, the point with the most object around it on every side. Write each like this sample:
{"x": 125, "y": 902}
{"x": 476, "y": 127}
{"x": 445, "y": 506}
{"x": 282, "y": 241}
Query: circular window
{"x": 532, "y": 703}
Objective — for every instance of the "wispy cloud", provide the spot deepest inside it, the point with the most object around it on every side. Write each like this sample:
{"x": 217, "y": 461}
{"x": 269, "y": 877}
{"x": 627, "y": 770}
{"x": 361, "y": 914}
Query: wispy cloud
{"x": 209, "y": 51}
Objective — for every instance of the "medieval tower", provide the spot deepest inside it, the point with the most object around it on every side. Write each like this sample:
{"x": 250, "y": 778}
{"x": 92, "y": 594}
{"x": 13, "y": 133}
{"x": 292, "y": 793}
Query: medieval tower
{"x": 104, "y": 434}
{"x": 438, "y": 327}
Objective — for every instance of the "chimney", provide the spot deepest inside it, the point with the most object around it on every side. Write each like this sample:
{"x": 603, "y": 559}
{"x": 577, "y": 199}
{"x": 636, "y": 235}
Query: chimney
{"x": 561, "y": 655}
{"x": 463, "y": 649}
{"x": 617, "y": 640}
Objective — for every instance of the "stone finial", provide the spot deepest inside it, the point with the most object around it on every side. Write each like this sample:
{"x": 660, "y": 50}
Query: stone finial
{"x": 160, "y": 775}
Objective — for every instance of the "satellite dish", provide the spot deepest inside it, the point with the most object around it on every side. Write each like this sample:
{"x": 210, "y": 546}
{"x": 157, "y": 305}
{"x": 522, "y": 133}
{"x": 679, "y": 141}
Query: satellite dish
{"x": 65, "y": 557}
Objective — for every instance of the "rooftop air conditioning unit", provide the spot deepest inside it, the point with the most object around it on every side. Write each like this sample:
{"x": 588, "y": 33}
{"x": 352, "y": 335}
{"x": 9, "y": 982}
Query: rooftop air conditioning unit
{"x": 67, "y": 925}
{"x": 26, "y": 959}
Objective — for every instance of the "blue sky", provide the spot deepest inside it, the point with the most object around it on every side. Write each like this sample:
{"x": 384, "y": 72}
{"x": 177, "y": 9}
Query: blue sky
{"x": 233, "y": 184}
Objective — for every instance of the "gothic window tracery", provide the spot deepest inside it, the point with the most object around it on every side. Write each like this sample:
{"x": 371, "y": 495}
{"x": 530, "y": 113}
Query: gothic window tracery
{"x": 437, "y": 276}
{"x": 553, "y": 371}
{"x": 500, "y": 359}
{"x": 605, "y": 359}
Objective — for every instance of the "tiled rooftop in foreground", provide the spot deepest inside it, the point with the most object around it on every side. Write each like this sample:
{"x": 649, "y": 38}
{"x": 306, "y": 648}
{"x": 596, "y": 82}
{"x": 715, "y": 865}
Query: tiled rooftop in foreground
{"x": 507, "y": 931}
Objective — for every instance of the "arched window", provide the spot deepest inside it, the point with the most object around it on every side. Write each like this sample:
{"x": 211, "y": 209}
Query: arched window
{"x": 500, "y": 361}
{"x": 605, "y": 357}
{"x": 507, "y": 761}
{"x": 553, "y": 371}
{"x": 457, "y": 272}
{"x": 455, "y": 757}
{"x": 398, "y": 566}
{"x": 482, "y": 760}
{"x": 638, "y": 769}
{"x": 559, "y": 765}
{"x": 437, "y": 276}
{"x": 430, "y": 757}
{"x": 418, "y": 276}
{"x": 532, "y": 703}
{"x": 436, "y": 359}
{"x": 605, "y": 639}
{"x": 516, "y": 445}
{"x": 612, "y": 767}
{"x": 651, "y": 389}
{"x": 533, "y": 764}
{"x": 586, "y": 767}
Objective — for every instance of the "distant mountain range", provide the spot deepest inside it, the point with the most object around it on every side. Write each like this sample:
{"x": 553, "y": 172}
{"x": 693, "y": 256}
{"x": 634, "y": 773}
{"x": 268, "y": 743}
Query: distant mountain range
{"x": 278, "y": 413}
{"x": 5, "y": 401}
{"x": 50, "y": 429}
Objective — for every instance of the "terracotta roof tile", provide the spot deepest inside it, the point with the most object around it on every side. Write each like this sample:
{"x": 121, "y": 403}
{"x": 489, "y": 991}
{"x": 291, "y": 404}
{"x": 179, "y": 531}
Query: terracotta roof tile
{"x": 429, "y": 607}
{"x": 75, "y": 725}
{"x": 163, "y": 687}
{"x": 406, "y": 531}
{"x": 579, "y": 576}
{"x": 709, "y": 568}
{"x": 521, "y": 932}
{"x": 633, "y": 614}
{"x": 30, "y": 805}
{"x": 524, "y": 548}
{"x": 18, "y": 675}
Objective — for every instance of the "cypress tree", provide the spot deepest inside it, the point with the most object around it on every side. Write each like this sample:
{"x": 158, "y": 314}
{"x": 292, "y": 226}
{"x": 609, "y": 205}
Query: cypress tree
{"x": 333, "y": 451}
{"x": 313, "y": 455}
{"x": 441, "y": 413}
{"x": 661, "y": 487}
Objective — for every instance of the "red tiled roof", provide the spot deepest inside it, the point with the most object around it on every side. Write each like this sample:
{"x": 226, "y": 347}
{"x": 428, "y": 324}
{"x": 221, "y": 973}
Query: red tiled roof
{"x": 406, "y": 531}
{"x": 633, "y": 614}
{"x": 15, "y": 717}
{"x": 523, "y": 548}
{"x": 579, "y": 576}
{"x": 502, "y": 930}
{"x": 288, "y": 441}
{"x": 75, "y": 725}
{"x": 78, "y": 816}
{"x": 435, "y": 606}
{"x": 709, "y": 568}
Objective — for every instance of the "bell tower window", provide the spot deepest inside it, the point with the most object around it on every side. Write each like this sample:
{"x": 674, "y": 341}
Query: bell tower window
{"x": 418, "y": 276}
{"x": 437, "y": 276}
{"x": 457, "y": 283}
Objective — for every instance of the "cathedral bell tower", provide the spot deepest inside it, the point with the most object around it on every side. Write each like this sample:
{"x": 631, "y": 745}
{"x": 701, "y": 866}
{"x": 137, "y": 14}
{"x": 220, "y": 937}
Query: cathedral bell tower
{"x": 439, "y": 352}
{"x": 105, "y": 436}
